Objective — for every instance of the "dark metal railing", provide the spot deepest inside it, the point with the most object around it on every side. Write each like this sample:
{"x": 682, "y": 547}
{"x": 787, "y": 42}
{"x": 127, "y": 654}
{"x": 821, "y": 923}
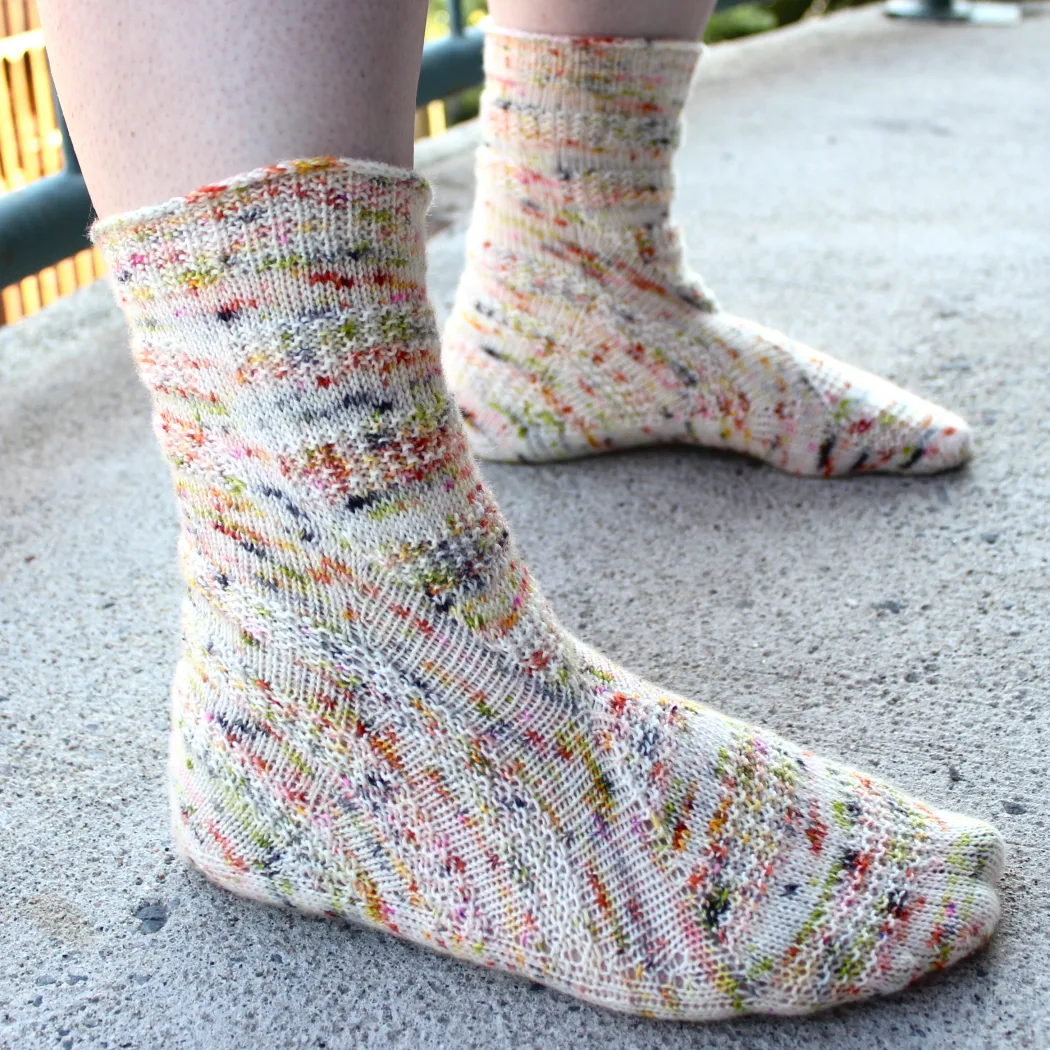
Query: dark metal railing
{"x": 45, "y": 222}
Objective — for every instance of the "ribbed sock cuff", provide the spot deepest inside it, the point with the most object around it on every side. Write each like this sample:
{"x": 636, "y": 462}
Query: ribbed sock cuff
{"x": 577, "y": 104}
{"x": 626, "y": 76}
{"x": 319, "y": 232}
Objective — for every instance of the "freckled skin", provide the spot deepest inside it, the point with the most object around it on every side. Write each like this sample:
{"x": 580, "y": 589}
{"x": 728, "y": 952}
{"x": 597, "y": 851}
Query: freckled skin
{"x": 163, "y": 97}
{"x": 658, "y": 19}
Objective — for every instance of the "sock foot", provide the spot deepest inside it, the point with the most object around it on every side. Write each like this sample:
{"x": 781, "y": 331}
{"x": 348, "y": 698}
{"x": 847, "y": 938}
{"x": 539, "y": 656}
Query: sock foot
{"x": 772, "y": 398}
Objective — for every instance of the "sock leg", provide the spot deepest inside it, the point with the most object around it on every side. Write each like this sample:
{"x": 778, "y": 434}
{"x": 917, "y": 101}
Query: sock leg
{"x": 577, "y": 329}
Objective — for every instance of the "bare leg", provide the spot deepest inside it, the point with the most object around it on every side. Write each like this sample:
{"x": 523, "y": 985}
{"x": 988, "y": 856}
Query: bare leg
{"x": 163, "y": 97}
{"x": 655, "y": 19}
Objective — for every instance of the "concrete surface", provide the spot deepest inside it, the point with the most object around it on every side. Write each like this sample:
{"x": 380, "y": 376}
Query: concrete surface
{"x": 880, "y": 190}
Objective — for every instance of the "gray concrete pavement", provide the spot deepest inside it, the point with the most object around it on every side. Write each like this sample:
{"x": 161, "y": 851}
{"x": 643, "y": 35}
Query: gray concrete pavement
{"x": 879, "y": 190}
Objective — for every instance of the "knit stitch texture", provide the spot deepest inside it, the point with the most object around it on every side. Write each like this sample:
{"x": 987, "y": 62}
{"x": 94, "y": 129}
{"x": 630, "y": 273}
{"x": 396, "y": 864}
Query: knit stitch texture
{"x": 376, "y": 715}
{"x": 578, "y": 329}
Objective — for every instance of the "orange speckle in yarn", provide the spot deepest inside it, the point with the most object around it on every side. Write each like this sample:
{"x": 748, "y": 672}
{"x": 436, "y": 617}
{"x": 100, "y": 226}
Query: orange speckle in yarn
{"x": 333, "y": 278}
{"x": 816, "y": 835}
{"x": 681, "y": 836}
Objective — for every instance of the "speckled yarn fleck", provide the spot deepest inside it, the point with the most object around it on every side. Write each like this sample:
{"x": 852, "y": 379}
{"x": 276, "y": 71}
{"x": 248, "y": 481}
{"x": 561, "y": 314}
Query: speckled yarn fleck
{"x": 377, "y": 716}
{"x": 578, "y": 330}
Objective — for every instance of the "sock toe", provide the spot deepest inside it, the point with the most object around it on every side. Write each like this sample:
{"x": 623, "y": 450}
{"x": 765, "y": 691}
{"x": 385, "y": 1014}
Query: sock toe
{"x": 810, "y": 414}
{"x": 947, "y": 444}
{"x": 957, "y": 890}
{"x": 875, "y": 425}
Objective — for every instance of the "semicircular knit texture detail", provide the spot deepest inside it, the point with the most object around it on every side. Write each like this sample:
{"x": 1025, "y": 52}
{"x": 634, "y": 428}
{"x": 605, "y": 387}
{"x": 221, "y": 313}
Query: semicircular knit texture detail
{"x": 377, "y": 716}
{"x": 578, "y": 329}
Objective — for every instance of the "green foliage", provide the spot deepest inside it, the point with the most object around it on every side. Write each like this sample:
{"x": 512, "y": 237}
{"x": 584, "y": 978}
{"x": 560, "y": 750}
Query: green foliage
{"x": 742, "y": 20}
{"x": 788, "y": 11}
{"x": 464, "y": 106}
{"x": 437, "y": 15}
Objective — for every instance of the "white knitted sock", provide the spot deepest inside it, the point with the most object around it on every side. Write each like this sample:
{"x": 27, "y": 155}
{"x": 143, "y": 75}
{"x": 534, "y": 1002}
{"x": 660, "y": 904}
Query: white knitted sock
{"x": 377, "y": 716}
{"x": 577, "y": 329}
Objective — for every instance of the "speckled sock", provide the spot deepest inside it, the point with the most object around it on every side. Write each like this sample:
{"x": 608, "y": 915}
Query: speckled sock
{"x": 377, "y": 716}
{"x": 577, "y": 328}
